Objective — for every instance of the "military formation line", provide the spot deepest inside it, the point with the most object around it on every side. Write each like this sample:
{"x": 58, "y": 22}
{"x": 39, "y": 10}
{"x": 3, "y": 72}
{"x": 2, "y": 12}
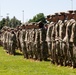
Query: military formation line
{"x": 55, "y": 40}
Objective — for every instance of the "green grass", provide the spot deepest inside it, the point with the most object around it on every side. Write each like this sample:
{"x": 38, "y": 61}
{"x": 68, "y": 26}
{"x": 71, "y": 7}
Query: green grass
{"x": 17, "y": 65}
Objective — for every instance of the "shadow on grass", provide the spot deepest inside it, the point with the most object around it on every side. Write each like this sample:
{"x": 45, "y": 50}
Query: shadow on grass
{"x": 18, "y": 53}
{"x": 47, "y": 60}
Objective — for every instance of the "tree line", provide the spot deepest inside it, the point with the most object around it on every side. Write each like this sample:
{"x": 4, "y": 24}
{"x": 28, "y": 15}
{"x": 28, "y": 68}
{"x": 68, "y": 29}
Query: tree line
{"x": 14, "y": 21}
{"x": 38, "y": 17}
{"x": 9, "y": 22}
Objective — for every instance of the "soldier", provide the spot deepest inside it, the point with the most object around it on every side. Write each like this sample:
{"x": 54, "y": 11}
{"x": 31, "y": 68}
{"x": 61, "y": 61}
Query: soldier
{"x": 57, "y": 55}
{"x": 26, "y": 43}
{"x": 73, "y": 41}
{"x": 48, "y": 37}
{"x": 62, "y": 29}
{"x": 0, "y": 38}
{"x": 22, "y": 40}
{"x": 69, "y": 17}
{"x": 37, "y": 41}
{"x": 29, "y": 43}
{"x": 35, "y": 44}
{"x": 44, "y": 45}
{"x": 13, "y": 42}
{"x": 53, "y": 51}
{"x": 18, "y": 40}
{"x": 9, "y": 41}
{"x": 5, "y": 37}
{"x": 32, "y": 42}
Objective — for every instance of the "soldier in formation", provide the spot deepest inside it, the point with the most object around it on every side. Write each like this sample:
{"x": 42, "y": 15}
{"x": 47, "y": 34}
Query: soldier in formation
{"x": 8, "y": 39}
{"x": 56, "y": 41}
{"x": 63, "y": 34}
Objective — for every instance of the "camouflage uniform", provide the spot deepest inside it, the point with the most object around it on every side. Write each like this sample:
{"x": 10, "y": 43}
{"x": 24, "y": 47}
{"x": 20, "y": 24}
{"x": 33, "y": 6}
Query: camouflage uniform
{"x": 22, "y": 42}
{"x": 13, "y": 42}
{"x": 48, "y": 38}
{"x": 53, "y": 51}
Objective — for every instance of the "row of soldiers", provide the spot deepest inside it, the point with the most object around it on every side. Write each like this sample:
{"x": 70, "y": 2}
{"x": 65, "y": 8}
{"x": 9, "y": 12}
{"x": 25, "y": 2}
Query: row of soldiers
{"x": 61, "y": 38}
{"x": 32, "y": 41}
{"x": 29, "y": 39}
{"x": 55, "y": 40}
{"x": 8, "y": 40}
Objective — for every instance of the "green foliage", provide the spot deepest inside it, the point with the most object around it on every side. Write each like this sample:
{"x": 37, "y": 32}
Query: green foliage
{"x": 38, "y": 17}
{"x": 14, "y": 22}
{"x": 2, "y": 23}
{"x": 17, "y": 65}
{"x": 9, "y": 22}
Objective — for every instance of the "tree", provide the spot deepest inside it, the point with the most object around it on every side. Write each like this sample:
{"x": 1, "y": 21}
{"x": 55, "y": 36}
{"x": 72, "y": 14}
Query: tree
{"x": 2, "y": 23}
{"x": 9, "y": 22}
{"x": 14, "y": 22}
{"x": 38, "y": 17}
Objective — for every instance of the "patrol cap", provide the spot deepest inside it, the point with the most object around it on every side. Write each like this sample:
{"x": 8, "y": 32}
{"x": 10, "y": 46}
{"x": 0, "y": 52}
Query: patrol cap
{"x": 32, "y": 23}
{"x": 70, "y": 11}
{"x": 48, "y": 16}
{"x": 56, "y": 14}
{"x": 74, "y": 11}
{"x": 17, "y": 26}
{"x": 59, "y": 14}
{"x": 15, "y": 29}
{"x": 74, "y": 15}
{"x": 41, "y": 25}
{"x": 62, "y": 13}
{"x": 9, "y": 30}
{"x": 54, "y": 18}
{"x": 69, "y": 15}
{"x": 23, "y": 26}
{"x": 61, "y": 17}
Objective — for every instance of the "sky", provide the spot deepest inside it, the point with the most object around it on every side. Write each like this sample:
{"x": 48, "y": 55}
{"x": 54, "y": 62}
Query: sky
{"x": 32, "y": 7}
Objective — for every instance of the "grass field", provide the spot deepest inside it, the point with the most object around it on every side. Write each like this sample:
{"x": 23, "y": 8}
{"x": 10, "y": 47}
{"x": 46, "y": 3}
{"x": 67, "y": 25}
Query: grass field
{"x": 17, "y": 65}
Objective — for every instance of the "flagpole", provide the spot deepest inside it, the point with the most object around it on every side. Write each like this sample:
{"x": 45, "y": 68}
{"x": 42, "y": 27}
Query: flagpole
{"x": 72, "y": 4}
{"x": 23, "y": 16}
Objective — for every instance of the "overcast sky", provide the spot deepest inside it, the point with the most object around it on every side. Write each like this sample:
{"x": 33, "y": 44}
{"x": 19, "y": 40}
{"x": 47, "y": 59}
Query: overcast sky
{"x": 33, "y": 7}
